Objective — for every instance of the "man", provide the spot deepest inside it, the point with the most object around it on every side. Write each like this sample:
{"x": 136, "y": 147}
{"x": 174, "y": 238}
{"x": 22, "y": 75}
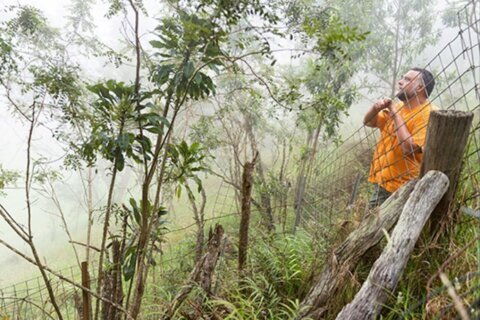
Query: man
{"x": 403, "y": 127}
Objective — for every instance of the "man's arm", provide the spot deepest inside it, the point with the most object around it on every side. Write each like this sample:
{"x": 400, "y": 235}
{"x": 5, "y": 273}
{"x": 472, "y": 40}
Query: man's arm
{"x": 404, "y": 136}
{"x": 370, "y": 119}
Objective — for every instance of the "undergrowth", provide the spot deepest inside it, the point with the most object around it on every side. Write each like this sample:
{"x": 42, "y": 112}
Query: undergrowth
{"x": 281, "y": 270}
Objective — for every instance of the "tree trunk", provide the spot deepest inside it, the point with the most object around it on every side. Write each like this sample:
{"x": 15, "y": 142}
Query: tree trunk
{"x": 346, "y": 257}
{"x": 245, "y": 218}
{"x": 447, "y": 137}
{"x": 86, "y": 299}
{"x": 202, "y": 273}
{"x": 297, "y": 205}
{"x": 388, "y": 269}
{"x": 199, "y": 217}
{"x": 113, "y": 290}
{"x": 266, "y": 205}
{"x": 305, "y": 168}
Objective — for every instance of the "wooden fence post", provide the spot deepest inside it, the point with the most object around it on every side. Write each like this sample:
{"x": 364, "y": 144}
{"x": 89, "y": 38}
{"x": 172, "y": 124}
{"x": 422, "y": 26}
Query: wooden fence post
{"x": 346, "y": 256}
{"x": 447, "y": 138}
{"x": 85, "y": 294}
{"x": 388, "y": 269}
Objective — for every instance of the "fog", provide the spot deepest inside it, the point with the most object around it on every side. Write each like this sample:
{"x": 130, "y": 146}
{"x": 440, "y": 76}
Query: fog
{"x": 48, "y": 230}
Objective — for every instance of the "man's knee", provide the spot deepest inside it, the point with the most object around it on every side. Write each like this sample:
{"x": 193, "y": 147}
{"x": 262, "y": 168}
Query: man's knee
{"x": 379, "y": 196}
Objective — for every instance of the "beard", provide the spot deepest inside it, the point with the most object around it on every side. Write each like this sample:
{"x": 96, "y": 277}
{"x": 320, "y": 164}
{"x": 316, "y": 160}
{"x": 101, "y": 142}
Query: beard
{"x": 403, "y": 96}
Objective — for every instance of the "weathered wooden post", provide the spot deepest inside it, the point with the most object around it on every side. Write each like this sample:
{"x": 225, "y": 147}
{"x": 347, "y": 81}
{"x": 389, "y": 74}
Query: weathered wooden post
{"x": 85, "y": 295}
{"x": 447, "y": 138}
{"x": 346, "y": 256}
{"x": 388, "y": 269}
{"x": 202, "y": 273}
{"x": 247, "y": 184}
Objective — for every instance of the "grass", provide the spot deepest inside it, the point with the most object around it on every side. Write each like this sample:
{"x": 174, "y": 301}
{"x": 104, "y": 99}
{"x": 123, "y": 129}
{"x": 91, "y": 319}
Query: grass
{"x": 281, "y": 268}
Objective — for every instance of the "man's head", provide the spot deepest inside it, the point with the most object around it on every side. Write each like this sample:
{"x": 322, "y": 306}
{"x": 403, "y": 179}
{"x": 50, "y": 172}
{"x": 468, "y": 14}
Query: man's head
{"x": 417, "y": 83}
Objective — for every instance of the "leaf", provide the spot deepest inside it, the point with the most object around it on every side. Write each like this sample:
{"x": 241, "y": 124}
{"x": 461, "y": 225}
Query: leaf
{"x": 120, "y": 160}
{"x": 179, "y": 191}
{"x": 136, "y": 211}
{"x": 129, "y": 266}
{"x": 162, "y": 211}
{"x": 188, "y": 70}
{"x": 157, "y": 44}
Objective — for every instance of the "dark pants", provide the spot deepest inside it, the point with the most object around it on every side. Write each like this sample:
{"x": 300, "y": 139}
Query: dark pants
{"x": 378, "y": 197}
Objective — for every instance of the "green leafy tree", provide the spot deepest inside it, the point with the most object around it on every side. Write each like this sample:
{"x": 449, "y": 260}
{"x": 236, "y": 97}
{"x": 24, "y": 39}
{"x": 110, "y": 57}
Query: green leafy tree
{"x": 37, "y": 80}
{"x": 399, "y": 33}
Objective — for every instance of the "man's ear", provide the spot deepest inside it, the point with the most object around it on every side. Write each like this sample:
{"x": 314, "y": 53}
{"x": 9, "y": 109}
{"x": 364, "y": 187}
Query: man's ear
{"x": 421, "y": 89}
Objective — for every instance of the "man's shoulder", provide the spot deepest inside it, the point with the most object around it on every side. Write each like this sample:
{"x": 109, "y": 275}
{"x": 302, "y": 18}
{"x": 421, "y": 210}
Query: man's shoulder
{"x": 427, "y": 108}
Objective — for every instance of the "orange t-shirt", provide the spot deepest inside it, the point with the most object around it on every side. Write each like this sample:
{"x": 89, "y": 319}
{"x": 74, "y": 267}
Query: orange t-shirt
{"x": 390, "y": 167}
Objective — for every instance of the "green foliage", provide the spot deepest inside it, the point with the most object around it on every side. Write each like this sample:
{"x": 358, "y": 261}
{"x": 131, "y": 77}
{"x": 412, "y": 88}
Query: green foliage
{"x": 43, "y": 174}
{"x": 284, "y": 262}
{"x": 29, "y": 21}
{"x": 7, "y": 63}
{"x": 195, "y": 39}
{"x": 232, "y": 12}
{"x": 261, "y": 302}
{"x": 207, "y": 133}
{"x": 332, "y": 34}
{"x": 186, "y": 162}
{"x": 187, "y": 43}
{"x": 273, "y": 290}
{"x": 61, "y": 83}
{"x": 131, "y": 217}
{"x": 323, "y": 92}
{"x": 116, "y": 121}
{"x": 456, "y": 15}
{"x": 30, "y": 26}
{"x": 7, "y": 177}
{"x": 399, "y": 34}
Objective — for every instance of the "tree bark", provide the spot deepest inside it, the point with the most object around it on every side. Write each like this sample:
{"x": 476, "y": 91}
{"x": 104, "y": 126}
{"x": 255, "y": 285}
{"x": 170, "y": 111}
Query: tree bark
{"x": 245, "y": 218}
{"x": 447, "y": 137}
{"x": 346, "y": 257}
{"x": 388, "y": 269}
{"x": 266, "y": 203}
{"x": 113, "y": 290}
{"x": 86, "y": 299}
{"x": 202, "y": 273}
{"x": 300, "y": 185}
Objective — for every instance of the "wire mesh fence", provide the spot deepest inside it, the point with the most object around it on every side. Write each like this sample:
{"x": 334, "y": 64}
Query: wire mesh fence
{"x": 345, "y": 174}
{"x": 341, "y": 179}
{"x": 30, "y": 300}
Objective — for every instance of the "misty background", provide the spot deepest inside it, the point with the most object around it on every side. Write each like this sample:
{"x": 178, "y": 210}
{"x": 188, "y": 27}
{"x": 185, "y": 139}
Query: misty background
{"x": 49, "y": 233}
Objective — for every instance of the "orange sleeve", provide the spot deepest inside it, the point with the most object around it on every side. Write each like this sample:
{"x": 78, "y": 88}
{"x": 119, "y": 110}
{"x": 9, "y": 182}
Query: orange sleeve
{"x": 382, "y": 118}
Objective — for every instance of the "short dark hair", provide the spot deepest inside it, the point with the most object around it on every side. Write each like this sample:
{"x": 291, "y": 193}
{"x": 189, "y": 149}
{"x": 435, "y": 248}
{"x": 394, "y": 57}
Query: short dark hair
{"x": 428, "y": 80}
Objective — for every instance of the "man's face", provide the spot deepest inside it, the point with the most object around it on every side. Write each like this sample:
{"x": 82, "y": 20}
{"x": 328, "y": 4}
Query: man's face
{"x": 409, "y": 86}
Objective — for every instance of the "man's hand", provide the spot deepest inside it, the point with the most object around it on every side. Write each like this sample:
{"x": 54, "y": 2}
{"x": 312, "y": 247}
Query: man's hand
{"x": 370, "y": 119}
{"x": 383, "y": 104}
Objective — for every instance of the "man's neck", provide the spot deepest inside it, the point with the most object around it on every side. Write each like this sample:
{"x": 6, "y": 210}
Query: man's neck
{"x": 415, "y": 102}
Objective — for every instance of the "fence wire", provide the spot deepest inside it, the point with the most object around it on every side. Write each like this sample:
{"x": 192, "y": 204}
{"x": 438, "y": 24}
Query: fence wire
{"x": 345, "y": 174}
{"x": 338, "y": 181}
